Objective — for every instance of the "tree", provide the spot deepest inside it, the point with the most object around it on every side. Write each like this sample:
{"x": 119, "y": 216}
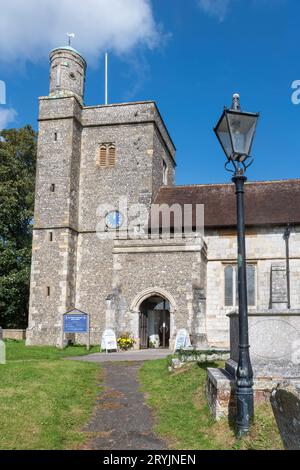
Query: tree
{"x": 17, "y": 183}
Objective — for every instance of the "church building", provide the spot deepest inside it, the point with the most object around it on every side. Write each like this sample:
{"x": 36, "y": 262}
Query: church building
{"x": 93, "y": 159}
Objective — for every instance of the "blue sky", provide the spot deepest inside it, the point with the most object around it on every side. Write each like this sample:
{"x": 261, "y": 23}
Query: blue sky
{"x": 187, "y": 55}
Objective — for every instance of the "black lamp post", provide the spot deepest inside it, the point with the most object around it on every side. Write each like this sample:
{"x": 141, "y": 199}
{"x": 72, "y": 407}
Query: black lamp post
{"x": 235, "y": 131}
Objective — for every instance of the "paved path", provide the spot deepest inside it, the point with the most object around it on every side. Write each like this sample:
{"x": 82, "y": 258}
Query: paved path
{"x": 121, "y": 420}
{"x": 140, "y": 355}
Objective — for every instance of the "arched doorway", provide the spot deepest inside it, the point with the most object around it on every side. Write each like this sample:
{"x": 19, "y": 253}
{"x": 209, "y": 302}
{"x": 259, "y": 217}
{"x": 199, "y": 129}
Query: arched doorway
{"x": 154, "y": 328}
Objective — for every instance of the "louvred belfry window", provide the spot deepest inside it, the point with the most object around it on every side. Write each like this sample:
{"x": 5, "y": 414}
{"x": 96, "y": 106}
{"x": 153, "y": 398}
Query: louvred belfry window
{"x": 102, "y": 156}
{"x": 111, "y": 155}
{"x": 107, "y": 155}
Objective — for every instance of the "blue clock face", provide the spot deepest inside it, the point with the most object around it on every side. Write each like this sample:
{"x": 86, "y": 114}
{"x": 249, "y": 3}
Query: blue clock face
{"x": 114, "y": 219}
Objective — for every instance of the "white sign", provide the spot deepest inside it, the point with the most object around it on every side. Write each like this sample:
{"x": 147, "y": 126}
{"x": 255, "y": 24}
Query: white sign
{"x": 182, "y": 340}
{"x": 109, "y": 340}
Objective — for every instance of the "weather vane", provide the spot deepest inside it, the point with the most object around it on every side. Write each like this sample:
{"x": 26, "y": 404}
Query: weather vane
{"x": 70, "y": 36}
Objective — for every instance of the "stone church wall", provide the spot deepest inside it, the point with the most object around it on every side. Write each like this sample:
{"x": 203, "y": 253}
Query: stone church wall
{"x": 162, "y": 267}
{"x": 53, "y": 268}
{"x": 107, "y": 278}
{"x": 264, "y": 246}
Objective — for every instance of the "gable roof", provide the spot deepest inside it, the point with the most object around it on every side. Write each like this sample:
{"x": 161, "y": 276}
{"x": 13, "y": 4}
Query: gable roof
{"x": 266, "y": 202}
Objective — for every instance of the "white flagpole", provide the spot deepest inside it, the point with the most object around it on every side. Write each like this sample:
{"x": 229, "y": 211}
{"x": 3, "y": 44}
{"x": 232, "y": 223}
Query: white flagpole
{"x": 106, "y": 78}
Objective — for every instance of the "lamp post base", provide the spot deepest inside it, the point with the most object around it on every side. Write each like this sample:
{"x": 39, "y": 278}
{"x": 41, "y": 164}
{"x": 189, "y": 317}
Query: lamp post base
{"x": 245, "y": 410}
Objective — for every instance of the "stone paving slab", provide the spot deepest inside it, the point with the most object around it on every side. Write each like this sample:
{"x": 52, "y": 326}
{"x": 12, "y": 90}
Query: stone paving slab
{"x": 140, "y": 355}
{"x": 121, "y": 419}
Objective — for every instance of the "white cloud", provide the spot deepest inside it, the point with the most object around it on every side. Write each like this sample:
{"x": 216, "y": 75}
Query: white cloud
{"x": 29, "y": 29}
{"x": 7, "y": 116}
{"x": 218, "y": 8}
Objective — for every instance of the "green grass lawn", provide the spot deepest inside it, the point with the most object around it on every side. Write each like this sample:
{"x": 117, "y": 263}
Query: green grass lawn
{"x": 45, "y": 400}
{"x": 183, "y": 417}
{"x": 17, "y": 351}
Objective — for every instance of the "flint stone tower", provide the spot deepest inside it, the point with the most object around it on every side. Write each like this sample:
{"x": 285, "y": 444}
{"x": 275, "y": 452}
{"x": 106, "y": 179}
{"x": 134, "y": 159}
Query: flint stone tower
{"x": 91, "y": 158}
{"x": 71, "y": 267}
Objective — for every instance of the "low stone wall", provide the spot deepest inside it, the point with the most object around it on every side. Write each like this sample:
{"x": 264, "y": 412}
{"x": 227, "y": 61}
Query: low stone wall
{"x": 192, "y": 355}
{"x": 205, "y": 355}
{"x": 220, "y": 392}
{"x": 14, "y": 334}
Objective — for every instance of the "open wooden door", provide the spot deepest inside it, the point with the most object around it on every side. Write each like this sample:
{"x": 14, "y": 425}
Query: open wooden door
{"x": 164, "y": 328}
{"x": 143, "y": 330}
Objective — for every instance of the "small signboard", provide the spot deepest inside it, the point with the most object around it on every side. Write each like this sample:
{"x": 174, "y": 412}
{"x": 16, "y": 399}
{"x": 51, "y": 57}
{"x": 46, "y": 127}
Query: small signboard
{"x": 182, "y": 340}
{"x": 109, "y": 340}
{"x": 76, "y": 321}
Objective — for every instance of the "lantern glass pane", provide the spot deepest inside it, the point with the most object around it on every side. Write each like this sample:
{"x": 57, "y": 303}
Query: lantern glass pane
{"x": 223, "y": 133}
{"x": 242, "y": 128}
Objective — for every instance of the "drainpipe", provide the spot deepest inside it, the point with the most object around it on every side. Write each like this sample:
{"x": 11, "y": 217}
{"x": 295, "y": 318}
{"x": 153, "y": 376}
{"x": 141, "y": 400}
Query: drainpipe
{"x": 286, "y": 237}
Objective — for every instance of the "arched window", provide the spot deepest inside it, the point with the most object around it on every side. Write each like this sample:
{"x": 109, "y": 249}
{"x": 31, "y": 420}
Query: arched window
{"x": 251, "y": 284}
{"x": 102, "y": 155}
{"x": 107, "y": 155}
{"x": 231, "y": 297}
{"x": 228, "y": 272}
{"x": 111, "y": 155}
{"x": 165, "y": 173}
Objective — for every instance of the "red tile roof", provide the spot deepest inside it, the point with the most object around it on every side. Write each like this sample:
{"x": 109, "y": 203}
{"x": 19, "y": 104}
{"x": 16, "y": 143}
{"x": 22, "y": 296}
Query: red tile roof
{"x": 266, "y": 202}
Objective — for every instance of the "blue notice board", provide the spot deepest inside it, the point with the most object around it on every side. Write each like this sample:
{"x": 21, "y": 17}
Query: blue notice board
{"x": 75, "y": 323}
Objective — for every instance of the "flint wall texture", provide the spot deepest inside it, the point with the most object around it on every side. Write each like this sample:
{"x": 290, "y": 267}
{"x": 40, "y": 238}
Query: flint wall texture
{"x": 169, "y": 267}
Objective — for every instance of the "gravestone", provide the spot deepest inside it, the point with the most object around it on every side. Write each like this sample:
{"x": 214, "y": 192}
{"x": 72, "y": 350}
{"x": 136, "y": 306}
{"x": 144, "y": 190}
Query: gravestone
{"x": 285, "y": 400}
{"x": 182, "y": 340}
{"x": 2, "y": 349}
{"x": 274, "y": 338}
{"x": 109, "y": 340}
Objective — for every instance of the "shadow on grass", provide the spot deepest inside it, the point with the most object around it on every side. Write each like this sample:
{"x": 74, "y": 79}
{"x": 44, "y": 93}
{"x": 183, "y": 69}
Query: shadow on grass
{"x": 205, "y": 365}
